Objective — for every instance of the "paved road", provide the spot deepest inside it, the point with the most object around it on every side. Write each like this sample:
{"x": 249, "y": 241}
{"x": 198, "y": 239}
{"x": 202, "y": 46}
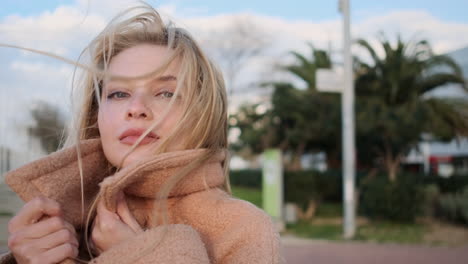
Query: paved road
{"x": 297, "y": 251}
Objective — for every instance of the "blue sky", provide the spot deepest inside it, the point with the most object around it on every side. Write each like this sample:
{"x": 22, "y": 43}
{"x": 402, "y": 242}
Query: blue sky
{"x": 316, "y": 10}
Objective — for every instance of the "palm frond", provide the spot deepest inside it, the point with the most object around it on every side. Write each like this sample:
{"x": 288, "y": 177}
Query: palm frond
{"x": 434, "y": 81}
{"x": 363, "y": 43}
{"x": 452, "y": 112}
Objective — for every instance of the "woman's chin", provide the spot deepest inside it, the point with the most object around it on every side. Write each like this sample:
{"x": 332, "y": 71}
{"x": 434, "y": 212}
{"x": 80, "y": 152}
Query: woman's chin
{"x": 139, "y": 154}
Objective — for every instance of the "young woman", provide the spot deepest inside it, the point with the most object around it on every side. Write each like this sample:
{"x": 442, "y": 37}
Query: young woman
{"x": 143, "y": 178}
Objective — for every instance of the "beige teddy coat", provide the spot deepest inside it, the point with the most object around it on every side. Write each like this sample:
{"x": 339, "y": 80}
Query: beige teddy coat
{"x": 207, "y": 225}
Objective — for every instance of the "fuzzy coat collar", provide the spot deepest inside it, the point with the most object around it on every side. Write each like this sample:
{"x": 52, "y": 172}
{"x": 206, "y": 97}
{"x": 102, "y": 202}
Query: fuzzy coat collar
{"x": 57, "y": 176}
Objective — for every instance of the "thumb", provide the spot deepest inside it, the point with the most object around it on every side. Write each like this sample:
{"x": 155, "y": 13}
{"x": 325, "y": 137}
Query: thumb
{"x": 125, "y": 215}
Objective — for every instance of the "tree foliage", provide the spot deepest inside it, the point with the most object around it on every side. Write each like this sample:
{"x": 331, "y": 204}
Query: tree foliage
{"x": 393, "y": 105}
{"x": 299, "y": 120}
{"x": 49, "y": 126}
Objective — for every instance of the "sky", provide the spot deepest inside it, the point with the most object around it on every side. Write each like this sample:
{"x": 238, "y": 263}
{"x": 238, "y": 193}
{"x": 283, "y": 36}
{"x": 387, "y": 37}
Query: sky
{"x": 65, "y": 27}
{"x": 317, "y": 10}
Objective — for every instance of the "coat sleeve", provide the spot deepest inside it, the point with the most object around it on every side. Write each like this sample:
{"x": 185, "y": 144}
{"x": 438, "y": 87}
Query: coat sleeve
{"x": 172, "y": 244}
{"x": 163, "y": 245}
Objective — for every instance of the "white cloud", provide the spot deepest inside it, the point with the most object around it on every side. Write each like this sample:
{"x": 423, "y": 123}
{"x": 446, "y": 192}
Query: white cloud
{"x": 445, "y": 36}
{"x": 66, "y": 30}
{"x": 60, "y": 31}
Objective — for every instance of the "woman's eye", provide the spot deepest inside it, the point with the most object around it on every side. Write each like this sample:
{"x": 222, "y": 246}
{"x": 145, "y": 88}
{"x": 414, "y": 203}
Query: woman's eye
{"x": 117, "y": 95}
{"x": 165, "y": 94}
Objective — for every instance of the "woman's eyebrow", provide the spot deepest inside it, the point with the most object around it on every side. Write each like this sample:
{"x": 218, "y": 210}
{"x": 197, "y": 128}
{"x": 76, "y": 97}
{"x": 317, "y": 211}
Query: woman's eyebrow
{"x": 166, "y": 78}
{"x": 163, "y": 78}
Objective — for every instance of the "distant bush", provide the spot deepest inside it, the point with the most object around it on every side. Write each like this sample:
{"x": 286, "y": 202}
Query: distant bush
{"x": 431, "y": 197}
{"x": 401, "y": 200}
{"x": 454, "y": 207}
{"x": 300, "y": 187}
{"x": 303, "y": 186}
{"x": 453, "y": 184}
{"x": 246, "y": 178}
{"x": 410, "y": 196}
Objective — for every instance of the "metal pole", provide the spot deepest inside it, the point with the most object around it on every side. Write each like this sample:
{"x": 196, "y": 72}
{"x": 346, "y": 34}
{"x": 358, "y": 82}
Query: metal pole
{"x": 347, "y": 106}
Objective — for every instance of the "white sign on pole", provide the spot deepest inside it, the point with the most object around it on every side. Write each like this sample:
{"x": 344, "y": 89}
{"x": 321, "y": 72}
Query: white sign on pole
{"x": 330, "y": 80}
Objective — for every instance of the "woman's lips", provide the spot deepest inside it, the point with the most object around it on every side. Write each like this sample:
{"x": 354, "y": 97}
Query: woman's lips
{"x": 130, "y": 140}
{"x": 131, "y": 136}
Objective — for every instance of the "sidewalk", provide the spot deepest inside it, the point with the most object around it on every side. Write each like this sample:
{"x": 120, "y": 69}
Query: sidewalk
{"x": 302, "y": 251}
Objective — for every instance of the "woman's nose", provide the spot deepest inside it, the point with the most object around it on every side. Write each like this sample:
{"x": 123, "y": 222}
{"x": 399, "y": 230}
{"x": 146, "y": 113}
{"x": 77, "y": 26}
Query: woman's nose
{"x": 138, "y": 108}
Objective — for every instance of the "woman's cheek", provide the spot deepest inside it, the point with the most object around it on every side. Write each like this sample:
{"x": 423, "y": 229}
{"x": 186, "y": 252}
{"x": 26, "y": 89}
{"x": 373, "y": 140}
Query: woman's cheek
{"x": 106, "y": 130}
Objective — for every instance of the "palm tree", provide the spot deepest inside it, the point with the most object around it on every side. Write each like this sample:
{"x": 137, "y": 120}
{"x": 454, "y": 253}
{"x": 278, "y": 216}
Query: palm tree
{"x": 309, "y": 120}
{"x": 394, "y": 106}
{"x": 305, "y": 68}
{"x": 299, "y": 120}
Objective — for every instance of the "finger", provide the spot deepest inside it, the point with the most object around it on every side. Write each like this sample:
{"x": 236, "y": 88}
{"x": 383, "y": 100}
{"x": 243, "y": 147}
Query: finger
{"x": 45, "y": 227}
{"x": 126, "y": 215}
{"x": 95, "y": 222}
{"x": 33, "y": 211}
{"x": 105, "y": 219}
{"x": 100, "y": 227}
{"x": 60, "y": 253}
{"x": 93, "y": 247}
{"x": 104, "y": 212}
{"x": 56, "y": 239}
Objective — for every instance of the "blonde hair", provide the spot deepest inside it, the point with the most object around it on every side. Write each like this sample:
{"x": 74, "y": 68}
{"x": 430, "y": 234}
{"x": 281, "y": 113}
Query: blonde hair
{"x": 204, "y": 118}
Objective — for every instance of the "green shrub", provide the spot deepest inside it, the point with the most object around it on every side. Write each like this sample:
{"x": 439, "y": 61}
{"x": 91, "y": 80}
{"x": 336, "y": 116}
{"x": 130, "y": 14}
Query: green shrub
{"x": 448, "y": 207}
{"x": 401, "y": 200}
{"x": 299, "y": 186}
{"x": 330, "y": 185}
{"x": 463, "y": 205}
{"x": 454, "y": 207}
{"x": 302, "y": 186}
{"x": 455, "y": 183}
{"x": 431, "y": 196}
{"x": 246, "y": 178}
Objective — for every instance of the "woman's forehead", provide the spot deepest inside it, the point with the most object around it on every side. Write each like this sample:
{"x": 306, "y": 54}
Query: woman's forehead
{"x": 150, "y": 81}
{"x": 143, "y": 59}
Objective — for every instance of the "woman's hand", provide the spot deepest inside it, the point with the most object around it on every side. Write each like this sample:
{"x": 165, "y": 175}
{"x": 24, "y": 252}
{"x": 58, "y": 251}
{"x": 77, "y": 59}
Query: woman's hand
{"x": 38, "y": 233}
{"x": 111, "y": 228}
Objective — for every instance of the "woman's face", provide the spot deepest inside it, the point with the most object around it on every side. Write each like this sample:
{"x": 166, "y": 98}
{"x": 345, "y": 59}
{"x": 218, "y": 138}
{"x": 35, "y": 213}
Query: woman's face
{"x": 129, "y": 108}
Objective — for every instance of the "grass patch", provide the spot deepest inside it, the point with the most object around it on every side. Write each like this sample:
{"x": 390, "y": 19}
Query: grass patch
{"x": 249, "y": 194}
{"x": 385, "y": 232}
{"x": 330, "y": 229}
{"x": 322, "y": 231}
{"x": 380, "y": 232}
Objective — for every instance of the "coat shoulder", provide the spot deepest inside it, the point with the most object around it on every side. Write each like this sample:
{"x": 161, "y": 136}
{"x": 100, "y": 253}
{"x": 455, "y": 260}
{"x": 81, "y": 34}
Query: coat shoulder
{"x": 234, "y": 230}
{"x": 219, "y": 209}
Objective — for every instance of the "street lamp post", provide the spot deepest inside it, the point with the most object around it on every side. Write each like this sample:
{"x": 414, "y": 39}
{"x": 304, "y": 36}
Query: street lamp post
{"x": 347, "y": 106}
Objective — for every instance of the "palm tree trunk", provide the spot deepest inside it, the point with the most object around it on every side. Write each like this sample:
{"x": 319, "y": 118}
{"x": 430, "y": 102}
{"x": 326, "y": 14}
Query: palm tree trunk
{"x": 392, "y": 162}
{"x": 296, "y": 161}
{"x": 392, "y": 165}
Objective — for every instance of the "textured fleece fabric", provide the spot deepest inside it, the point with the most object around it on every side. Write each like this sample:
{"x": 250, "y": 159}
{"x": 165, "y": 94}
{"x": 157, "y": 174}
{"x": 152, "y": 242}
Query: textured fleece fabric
{"x": 206, "y": 225}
